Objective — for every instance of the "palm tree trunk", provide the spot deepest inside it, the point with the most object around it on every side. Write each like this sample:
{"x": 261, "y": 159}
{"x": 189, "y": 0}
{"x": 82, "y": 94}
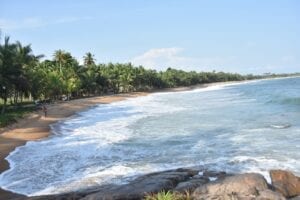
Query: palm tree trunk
{"x": 4, "y": 106}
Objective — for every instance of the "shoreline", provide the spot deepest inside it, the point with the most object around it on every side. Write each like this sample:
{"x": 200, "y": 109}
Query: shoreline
{"x": 35, "y": 127}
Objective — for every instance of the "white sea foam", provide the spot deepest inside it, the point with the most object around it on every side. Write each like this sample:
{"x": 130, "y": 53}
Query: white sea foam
{"x": 212, "y": 178}
{"x": 280, "y": 126}
{"x": 200, "y": 173}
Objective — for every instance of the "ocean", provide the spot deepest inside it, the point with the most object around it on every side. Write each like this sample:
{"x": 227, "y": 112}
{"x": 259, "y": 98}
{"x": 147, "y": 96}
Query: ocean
{"x": 240, "y": 127}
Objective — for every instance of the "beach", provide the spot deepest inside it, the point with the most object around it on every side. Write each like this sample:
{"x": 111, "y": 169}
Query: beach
{"x": 35, "y": 126}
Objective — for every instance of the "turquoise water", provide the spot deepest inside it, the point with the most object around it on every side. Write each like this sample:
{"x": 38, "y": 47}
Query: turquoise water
{"x": 245, "y": 127}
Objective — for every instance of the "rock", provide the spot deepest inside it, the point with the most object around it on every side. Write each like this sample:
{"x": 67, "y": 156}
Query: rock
{"x": 198, "y": 179}
{"x": 7, "y": 195}
{"x": 69, "y": 196}
{"x": 270, "y": 195}
{"x": 192, "y": 170}
{"x": 232, "y": 187}
{"x": 285, "y": 182}
{"x": 295, "y": 198}
{"x": 226, "y": 186}
{"x": 191, "y": 184}
{"x": 215, "y": 174}
{"x": 138, "y": 188}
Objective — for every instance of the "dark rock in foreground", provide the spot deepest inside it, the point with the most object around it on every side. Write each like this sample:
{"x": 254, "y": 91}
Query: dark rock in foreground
{"x": 200, "y": 184}
{"x": 151, "y": 183}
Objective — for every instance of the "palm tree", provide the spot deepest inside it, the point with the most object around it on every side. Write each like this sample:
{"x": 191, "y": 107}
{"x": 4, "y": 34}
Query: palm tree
{"x": 125, "y": 77}
{"x": 89, "y": 59}
{"x": 59, "y": 56}
{"x": 26, "y": 55}
{"x": 25, "y": 59}
{"x": 9, "y": 69}
{"x": 62, "y": 58}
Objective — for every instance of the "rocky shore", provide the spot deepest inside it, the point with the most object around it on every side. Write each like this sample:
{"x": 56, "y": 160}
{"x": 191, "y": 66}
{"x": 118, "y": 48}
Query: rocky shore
{"x": 198, "y": 183}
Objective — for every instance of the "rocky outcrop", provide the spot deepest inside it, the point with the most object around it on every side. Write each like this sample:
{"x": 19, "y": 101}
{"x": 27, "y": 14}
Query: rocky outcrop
{"x": 151, "y": 183}
{"x": 244, "y": 186}
{"x": 285, "y": 182}
{"x": 201, "y": 184}
{"x": 183, "y": 179}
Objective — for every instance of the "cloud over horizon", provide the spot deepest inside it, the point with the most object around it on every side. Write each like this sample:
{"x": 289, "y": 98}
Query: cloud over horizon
{"x": 162, "y": 58}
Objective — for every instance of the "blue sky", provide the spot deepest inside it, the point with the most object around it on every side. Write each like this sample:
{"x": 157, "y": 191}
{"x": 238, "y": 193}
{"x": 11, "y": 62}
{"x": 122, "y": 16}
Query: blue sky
{"x": 245, "y": 36}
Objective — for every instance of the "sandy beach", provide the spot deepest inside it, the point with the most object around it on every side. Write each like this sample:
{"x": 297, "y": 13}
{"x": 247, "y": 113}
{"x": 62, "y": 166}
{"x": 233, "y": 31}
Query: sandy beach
{"x": 35, "y": 126}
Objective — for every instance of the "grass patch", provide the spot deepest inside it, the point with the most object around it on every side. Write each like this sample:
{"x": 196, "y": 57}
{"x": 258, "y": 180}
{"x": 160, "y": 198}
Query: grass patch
{"x": 13, "y": 113}
{"x": 168, "y": 196}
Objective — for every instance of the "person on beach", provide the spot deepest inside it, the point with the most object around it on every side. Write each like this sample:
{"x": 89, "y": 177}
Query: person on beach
{"x": 45, "y": 110}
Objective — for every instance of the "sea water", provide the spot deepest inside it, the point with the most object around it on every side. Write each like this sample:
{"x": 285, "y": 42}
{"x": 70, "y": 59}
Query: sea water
{"x": 246, "y": 127}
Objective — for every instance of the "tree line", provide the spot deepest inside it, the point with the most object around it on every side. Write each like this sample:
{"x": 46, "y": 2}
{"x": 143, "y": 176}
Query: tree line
{"x": 24, "y": 75}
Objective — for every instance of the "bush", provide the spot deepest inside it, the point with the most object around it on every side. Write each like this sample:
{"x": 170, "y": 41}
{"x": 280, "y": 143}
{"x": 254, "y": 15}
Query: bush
{"x": 168, "y": 196}
{"x": 13, "y": 114}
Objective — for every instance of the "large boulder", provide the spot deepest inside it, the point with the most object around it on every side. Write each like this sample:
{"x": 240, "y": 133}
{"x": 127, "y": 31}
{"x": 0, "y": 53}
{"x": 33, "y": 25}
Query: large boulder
{"x": 243, "y": 186}
{"x": 285, "y": 182}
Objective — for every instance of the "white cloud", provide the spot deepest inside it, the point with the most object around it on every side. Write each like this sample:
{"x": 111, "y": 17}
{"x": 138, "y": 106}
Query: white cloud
{"x": 162, "y": 58}
{"x": 35, "y": 22}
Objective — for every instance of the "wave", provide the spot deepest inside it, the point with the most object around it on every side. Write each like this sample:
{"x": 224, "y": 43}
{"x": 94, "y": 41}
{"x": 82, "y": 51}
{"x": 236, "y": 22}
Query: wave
{"x": 79, "y": 146}
{"x": 280, "y": 126}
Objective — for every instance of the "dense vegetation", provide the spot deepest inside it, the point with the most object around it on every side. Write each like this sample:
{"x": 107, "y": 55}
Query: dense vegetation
{"x": 23, "y": 75}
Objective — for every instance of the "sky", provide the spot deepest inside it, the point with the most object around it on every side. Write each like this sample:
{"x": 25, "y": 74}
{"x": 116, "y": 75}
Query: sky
{"x": 244, "y": 36}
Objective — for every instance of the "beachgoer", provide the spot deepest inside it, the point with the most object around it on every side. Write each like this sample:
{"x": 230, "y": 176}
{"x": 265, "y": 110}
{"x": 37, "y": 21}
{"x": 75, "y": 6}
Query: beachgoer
{"x": 45, "y": 110}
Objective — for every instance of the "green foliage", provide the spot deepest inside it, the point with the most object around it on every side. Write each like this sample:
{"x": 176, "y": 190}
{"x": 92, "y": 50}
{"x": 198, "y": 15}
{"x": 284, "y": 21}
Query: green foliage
{"x": 13, "y": 114}
{"x": 23, "y": 75}
{"x": 168, "y": 196}
{"x": 161, "y": 196}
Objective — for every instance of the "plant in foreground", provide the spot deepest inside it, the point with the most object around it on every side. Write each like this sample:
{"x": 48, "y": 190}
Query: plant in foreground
{"x": 163, "y": 195}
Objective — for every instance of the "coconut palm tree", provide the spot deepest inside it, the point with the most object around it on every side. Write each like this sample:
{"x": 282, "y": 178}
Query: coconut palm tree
{"x": 25, "y": 59}
{"x": 9, "y": 69}
{"x": 62, "y": 58}
{"x": 89, "y": 59}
